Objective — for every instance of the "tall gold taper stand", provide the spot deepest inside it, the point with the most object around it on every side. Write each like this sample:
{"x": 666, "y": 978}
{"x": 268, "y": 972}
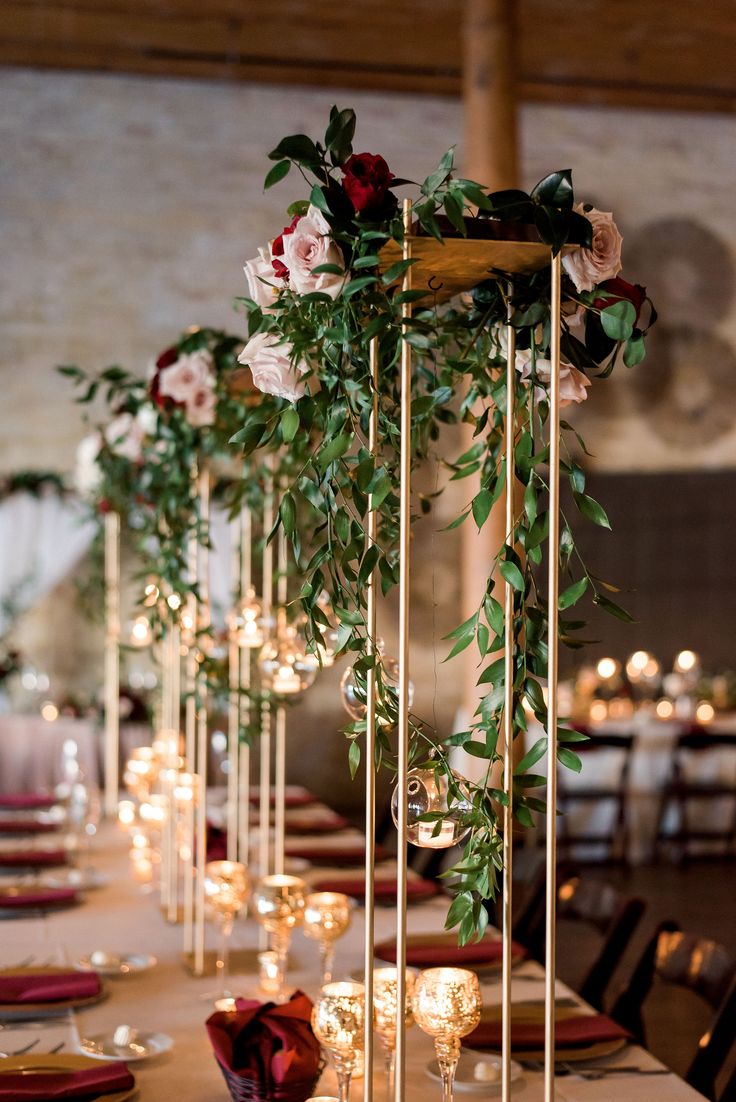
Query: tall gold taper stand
{"x": 112, "y": 661}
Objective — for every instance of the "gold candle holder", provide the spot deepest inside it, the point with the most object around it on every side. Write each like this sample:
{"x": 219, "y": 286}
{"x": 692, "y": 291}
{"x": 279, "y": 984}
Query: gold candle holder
{"x": 338, "y": 1023}
{"x": 327, "y": 916}
{"x": 447, "y": 1006}
{"x": 226, "y": 888}
{"x": 278, "y": 905}
{"x": 385, "y": 1012}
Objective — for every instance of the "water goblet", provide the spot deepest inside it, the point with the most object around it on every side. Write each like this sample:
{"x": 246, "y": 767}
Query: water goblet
{"x": 338, "y": 1021}
{"x": 326, "y": 918}
{"x": 385, "y": 1001}
{"x": 447, "y": 1006}
{"x": 226, "y": 887}
{"x": 278, "y": 905}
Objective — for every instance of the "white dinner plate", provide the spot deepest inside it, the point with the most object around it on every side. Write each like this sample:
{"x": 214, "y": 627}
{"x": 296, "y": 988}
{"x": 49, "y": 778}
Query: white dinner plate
{"x": 465, "y": 1076}
{"x": 84, "y": 880}
{"x": 100, "y": 1046}
{"x": 114, "y": 964}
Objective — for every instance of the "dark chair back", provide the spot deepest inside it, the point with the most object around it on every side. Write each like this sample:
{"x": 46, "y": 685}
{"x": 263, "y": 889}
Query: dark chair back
{"x": 615, "y": 793}
{"x": 705, "y": 968}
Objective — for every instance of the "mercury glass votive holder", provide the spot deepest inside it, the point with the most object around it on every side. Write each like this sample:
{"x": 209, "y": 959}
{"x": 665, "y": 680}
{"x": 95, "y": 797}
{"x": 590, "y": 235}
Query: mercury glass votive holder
{"x": 447, "y": 1006}
{"x": 327, "y": 916}
{"x": 338, "y": 1022}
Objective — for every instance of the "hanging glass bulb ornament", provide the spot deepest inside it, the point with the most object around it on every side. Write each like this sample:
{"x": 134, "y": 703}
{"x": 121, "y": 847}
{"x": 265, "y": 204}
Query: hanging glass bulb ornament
{"x": 246, "y": 621}
{"x": 353, "y": 689}
{"x": 429, "y": 792}
{"x": 286, "y": 668}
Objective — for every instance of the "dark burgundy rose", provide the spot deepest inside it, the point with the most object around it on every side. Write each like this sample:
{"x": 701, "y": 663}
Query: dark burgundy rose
{"x": 366, "y": 179}
{"x": 166, "y": 359}
{"x": 619, "y": 290}
{"x": 277, "y": 249}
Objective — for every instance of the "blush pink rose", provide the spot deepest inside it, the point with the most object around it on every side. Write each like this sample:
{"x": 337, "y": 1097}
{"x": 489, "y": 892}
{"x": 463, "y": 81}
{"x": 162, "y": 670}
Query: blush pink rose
{"x": 190, "y": 373}
{"x": 588, "y": 267}
{"x": 271, "y": 366}
{"x": 306, "y": 248}
{"x": 573, "y": 383}
{"x": 260, "y": 275}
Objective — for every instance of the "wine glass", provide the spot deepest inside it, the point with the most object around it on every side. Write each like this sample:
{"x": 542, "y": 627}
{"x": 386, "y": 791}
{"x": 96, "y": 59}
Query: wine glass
{"x": 447, "y": 1006}
{"x": 337, "y": 1021}
{"x": 385, "y": 1001}
{"x": 326, "y": 918}
{"x": 226, "y": 887}
{"x": 278, "y": 904}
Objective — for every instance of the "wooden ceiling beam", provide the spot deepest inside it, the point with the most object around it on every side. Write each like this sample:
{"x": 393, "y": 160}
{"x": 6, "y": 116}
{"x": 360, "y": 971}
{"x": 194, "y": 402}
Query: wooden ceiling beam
{"x": 657, "y": 53}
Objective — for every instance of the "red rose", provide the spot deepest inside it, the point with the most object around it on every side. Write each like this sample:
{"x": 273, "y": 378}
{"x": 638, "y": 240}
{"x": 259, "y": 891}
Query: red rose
{"x": 366, "y": 179}
{"x": 618, "y": 290}
{"x": 166, "y": 359}
{"x": 277, "y": 249}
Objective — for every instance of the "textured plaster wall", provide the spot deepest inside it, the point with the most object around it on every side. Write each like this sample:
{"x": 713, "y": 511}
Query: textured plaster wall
{"x": 128, "y": 206}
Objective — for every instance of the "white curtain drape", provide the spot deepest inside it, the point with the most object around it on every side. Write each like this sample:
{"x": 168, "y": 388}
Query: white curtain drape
{"x": 41, "y": 540}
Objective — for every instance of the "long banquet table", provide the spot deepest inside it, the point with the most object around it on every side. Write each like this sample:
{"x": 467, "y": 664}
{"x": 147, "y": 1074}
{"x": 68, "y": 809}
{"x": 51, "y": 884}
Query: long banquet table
{"x": 118, "y": 917}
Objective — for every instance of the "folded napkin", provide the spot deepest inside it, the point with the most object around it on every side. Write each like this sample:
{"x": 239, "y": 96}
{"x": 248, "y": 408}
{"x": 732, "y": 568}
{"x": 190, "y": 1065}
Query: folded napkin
{"x": 323, "y": 825}
{"x": 47, "y": 987}
{"x": 574, "y": 1032}
{"x": 26, "y": 801}
{"x": 26, "y": 826}
{"x": 337, "y": 855}
{"x": 385, "y": 890}
{"x": 74, "y": 1085}
{"x": 31, "y": 858}
{"x": 216, "y": 843}
{"x": 48, "y": 897}
{"x": 269, "y": 1044}
{"x": 291, "y": 799}
{"x": 433, "y": 950}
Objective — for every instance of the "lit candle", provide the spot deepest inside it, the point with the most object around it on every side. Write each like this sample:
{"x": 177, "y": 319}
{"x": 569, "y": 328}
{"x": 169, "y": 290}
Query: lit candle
{"x": 268, "y": 971}
{"x": 440, "y": 840}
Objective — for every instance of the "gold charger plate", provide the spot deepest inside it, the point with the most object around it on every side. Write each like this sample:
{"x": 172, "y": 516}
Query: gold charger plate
{"x": 19, "y": 1010}
{"x": 55, "y": 1062}
{"x": 533, "y": 1013}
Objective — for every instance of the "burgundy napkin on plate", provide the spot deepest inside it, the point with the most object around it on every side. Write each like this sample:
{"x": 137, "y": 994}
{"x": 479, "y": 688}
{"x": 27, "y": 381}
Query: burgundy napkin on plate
{"x": 27, "y": 801}
{"x": 73, "y": 1085}
{"x": 26, "y": 826}
{"x": 336, "y": 855}
{"x": 33, "y": 858}
{"x": 324, "y": 825}
{"x": 49, "y": 897}
{"x": 416, "y": 890}
{"x": 47, "y": 987}
{"x": 216, "y": 843}
{"x": 267, "y": 1043}
{"x": 572, "y": 1032}
{"x": 425, "y": 953}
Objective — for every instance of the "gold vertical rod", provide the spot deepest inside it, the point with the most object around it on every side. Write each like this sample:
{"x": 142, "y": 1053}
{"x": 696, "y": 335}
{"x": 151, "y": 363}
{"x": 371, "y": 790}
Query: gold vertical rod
{"x": 508, "y": 716}
{"x": 403, "y": 730}
{"x": 202, "y": 733}
{"x": 175, "y": 658}
{"x": 370, "y": 751}
{"x": 279, "y": 779}
{"x": 233, "y": 707}
{"x": 552, "y": 667}
{"x": 112, "y": 661}
{"x": 166, "y": 720}
{"x": 264, "y": 816}
{"x": 190, "y": 723}
{"x": 188, "y": 864}
{"x": 246, "y": 551}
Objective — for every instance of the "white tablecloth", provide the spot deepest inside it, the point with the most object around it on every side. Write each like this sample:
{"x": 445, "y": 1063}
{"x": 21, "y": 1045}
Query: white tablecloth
{"x": 119, "y": 918}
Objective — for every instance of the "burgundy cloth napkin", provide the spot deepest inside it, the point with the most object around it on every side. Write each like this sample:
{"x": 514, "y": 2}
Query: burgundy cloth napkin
{"x": 31, "y": 858}
{"x": 26, "y": 826}
{"x": 270, "y": 1044}
{"x": 573, "y": 1032}
{"x": 336, "y": 855}
{"x": 416, "y": 890}
{"x": 88, "y": 1083}
{"x": 49, "y": 897}
{"x": 427, "y": 954}
{"x": 291, "y": 799}
{"x": 216, "y": 843}
{"x": 324, "y": 825}
{"x": 26, "y": 801}
{"x": 48, "y": 987}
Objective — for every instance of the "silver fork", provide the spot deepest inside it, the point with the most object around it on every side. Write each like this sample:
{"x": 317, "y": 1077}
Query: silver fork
{"x": 593, "y": 1073}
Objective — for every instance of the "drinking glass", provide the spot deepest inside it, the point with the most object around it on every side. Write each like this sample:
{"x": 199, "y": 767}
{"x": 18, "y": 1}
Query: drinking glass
{"x": 337, "y": 1020}
{"x": 226, "y": 887}
{"x": 326, "y": 918}
{"x": 447, "y": 1006}
{"x": 278, "y": 905}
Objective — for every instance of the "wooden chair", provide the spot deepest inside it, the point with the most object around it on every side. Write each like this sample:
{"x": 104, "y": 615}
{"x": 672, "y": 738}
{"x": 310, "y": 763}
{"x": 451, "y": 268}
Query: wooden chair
{"x": 702, "y": 966}
{"x": 617, "y": 840}
{"x": 680, "y": 791}
{"x": 614, "y": 916}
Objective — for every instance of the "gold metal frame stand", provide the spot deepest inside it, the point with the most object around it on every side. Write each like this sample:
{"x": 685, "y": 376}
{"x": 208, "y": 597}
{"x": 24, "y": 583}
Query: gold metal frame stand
{"x": 112, "y": 661}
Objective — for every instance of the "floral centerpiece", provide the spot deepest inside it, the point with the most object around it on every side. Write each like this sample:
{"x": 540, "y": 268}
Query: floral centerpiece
{"x": 318, "y": 295}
